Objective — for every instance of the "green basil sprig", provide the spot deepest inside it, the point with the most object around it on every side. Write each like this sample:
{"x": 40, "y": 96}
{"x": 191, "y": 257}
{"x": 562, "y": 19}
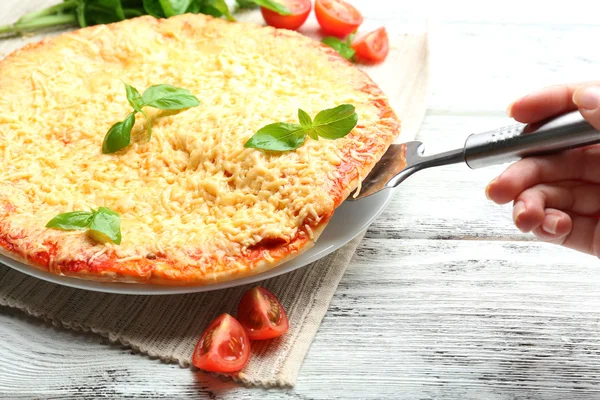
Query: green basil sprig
{"x": 344, "y": 47}
{"x": 163, "y": 97}
{"x": 246, "y": 4}
{"x": 272, "y": 5}
{"x": 332, "y": 123}
{"x": 169, "y": 8}
{"x": 93, "y": 12}
{"x": 103, "y": 224}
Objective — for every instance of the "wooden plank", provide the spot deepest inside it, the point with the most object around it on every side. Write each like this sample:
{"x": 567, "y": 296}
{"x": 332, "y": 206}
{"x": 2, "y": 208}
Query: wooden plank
{"x": 441, "y": 318}
{"x": 446, "y": 318}
{"x": 495, "y": 64}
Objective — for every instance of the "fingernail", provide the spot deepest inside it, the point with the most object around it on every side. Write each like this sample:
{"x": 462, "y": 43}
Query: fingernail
{"x": 587, "y": 98}
{"x": 509, "y": 109}
{"x": 518, "y": 210}
{"x": 550, "y": 224}
{"x": 488, "y": 187}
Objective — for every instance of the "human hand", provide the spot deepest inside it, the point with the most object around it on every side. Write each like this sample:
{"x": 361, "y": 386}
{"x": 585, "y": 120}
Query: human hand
{"x": 556, "y": 197}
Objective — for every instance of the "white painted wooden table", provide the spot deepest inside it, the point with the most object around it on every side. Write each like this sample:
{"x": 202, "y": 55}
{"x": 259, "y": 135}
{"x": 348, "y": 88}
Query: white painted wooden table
{"x": 444, "y": 298}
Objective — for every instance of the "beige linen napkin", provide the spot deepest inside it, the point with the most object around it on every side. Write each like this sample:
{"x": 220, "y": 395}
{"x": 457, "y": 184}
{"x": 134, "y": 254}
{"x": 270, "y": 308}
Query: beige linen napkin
{"x": 168, "y": 327}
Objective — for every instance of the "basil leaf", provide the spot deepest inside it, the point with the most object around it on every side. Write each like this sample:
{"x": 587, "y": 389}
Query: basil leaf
{"x": 273, "y": 6}
{"x": 174, "y": 7}
{"x": 103, "y": 11}
{"x": 350, "y": 38}
{"x": 335, "y": 131}
{"x": 154, "y": 8}
{"x": 280, "y": 136}
{"x": 113, "y": 5}
{"x": 167, "y": 97}
{"x": 336, "y": 122}
{"x": 332, "y": 123}
{"x": 131, "y": 4}
{"x": 304, "y": 119}
{"x": 133, "y": 12}
{"x": 335, "y": 114}
{"x": 306, "y": 123}
{"x": 217, "y": 8}
{"x": 246, "y": 4}
{"x": 134, "y": 97}
{"x": 312, "y": 134}
{"x": 119, "y": 135}
{"x": 195, "y": 6}
{"x": 75, "y": 220}
{"x": 343, "y": 48}
{"x": 106, "y": 224}
{"x": 80, "y": 14}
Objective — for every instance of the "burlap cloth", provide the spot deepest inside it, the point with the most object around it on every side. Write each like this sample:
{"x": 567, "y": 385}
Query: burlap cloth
{"x": 168, "y": 327}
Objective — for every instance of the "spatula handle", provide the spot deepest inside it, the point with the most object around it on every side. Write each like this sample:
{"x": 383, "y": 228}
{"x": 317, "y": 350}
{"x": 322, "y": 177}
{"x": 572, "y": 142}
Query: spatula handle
{"x": 514, "y": 142}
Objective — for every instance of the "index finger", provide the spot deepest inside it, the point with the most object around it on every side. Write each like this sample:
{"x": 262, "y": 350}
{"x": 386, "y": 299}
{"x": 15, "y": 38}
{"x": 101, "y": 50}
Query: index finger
{"x": 576, "y": 164}
{"x": 546, "y": 102}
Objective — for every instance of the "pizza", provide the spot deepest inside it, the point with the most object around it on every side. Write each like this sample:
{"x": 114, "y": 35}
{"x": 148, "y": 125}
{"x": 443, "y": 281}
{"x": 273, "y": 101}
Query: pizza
{"x": 196, "y": 206}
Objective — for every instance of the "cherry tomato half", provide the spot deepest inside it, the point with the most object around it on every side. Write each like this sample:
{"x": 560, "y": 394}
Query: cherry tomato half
{"x": 299, "y": 8}
{"x": 261, "y": 314}
{"x": 374, "y": 46}
{"x": 337, "y": 17}
{"x": 223, "y": 347}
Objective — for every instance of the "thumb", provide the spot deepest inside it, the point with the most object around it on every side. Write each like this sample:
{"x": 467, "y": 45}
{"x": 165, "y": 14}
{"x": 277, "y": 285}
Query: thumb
{"x": 587, "y": 99}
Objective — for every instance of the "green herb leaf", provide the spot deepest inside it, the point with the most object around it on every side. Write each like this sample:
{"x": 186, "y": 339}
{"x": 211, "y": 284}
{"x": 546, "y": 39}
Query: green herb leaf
{"x": 174, "y": 7}
{"x": 332, "y": 123}
{"x": 336, "y": 122}
{"x": 80, "y": 13}
{"x": 103, "y": 11}
{"x": 304, "y": 119}
{"x": 164, "y": 97}
{"x": 114, "y": 5}
{"x": 133, "y": 12}
{"x": 306, "y": 123}
{"x": 103, "y": 224}
{"x": 154, "y": 8}
{"x": 342, "y": 47}
{"x": 134, "y": 97}
{"x": 93, "y": 12}
{"x": 167, "y": 97}
{"x": 195, "y": 6}
{"x": 350, "y": 38}
{"x": 273, "y": 6}
{"x": 166, "y": 8}
{"x": 106, "y": 224}
{"x": 119, "y": 135}
{"x": 217, "y": 8}
{"x": 280, "y": 136}
{"x": 246, "y": 4}
{"x": 71, "y": 221}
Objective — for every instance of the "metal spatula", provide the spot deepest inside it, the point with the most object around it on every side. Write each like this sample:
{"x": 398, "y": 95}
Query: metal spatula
{"x": 499, "y": 146}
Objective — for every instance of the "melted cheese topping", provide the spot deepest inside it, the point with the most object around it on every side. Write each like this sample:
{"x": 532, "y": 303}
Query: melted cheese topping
{"x": 193, "y": 190}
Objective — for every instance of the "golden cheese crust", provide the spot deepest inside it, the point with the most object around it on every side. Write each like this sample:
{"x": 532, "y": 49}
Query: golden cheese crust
{"x": 196, "y": 206}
